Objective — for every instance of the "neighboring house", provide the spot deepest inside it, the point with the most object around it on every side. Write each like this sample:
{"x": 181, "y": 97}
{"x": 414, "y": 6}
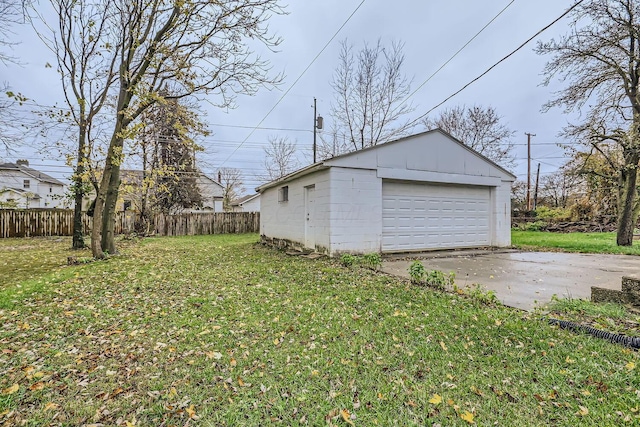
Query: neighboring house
{"x": 249, "y": 203}
{"x": 212, "y": 193}
{"x": 27, "y": 188}
{"x": 426, "y": 191}
{"x": 130, "y": 193}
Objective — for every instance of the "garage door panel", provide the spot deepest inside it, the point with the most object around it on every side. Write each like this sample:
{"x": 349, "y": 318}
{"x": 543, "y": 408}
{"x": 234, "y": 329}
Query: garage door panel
{"x": 420, "y": 216}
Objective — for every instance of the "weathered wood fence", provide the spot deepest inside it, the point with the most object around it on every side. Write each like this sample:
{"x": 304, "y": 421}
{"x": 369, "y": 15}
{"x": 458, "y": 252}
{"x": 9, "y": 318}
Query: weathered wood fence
{"x": 59, "y": 222}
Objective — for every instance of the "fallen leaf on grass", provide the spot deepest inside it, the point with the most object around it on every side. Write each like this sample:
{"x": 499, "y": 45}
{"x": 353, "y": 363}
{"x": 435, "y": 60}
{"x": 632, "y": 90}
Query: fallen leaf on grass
{"x": 37, "y": 386}
{"x": 436, "y": 399}
{"x": 11, "y": 390}
{"x": 630, "y": 366}
{"x": 51, "y": 406}
{"x": 583, "y": 411}
{"x": 346, "y": 416}
{"x": 467, "y": 416}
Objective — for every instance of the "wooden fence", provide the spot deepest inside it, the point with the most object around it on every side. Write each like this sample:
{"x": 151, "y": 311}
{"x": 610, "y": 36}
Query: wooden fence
{"x": 59, "y": 222}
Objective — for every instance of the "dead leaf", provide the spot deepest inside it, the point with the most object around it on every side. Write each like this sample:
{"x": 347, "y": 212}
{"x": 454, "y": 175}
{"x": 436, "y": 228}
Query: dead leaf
{"x": 37, "y": 386}
{"x": 444, "y": 347}
{"x": 467, "y": 416}
{"x": 436, "y": 399}
{"x": 346, "y": 416}
{"x": 583, "y": 411}
{"x": 12, "y": 389}
{"x": 630, "y": 366}
{"x": 51, "y": 406}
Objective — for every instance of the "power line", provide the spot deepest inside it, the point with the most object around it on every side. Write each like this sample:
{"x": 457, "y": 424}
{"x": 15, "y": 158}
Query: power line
{"x": 510, "y": 54}
{"x": 297, "y": 80}
{"x": 459, "y": 50}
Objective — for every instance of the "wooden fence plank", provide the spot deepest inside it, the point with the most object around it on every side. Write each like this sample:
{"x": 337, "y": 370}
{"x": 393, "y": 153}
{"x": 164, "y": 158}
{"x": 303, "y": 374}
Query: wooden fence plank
{"x": 59, "y": 222}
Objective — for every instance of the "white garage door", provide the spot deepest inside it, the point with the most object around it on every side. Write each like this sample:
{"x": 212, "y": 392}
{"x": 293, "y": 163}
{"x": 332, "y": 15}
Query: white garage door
{"x": 429, "y": 216}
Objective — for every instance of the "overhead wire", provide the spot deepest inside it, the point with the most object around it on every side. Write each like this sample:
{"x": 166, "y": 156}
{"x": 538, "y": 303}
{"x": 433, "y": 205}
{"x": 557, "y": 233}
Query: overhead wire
{"x": 298, "y": 79}
{"x": 488, "y": 70}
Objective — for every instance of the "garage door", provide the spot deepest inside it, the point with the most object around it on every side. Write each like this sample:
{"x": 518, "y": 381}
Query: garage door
{"x": 419, "y": 216}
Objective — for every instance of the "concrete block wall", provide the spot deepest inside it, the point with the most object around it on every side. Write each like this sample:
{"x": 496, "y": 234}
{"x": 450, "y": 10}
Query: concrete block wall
{"x": 356, "y": 211}
{"x": 630, "y": 293}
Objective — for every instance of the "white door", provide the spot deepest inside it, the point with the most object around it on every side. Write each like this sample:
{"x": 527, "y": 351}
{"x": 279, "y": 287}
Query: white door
{"x": 418, "y": 216}
{"x": 309, "y": 212}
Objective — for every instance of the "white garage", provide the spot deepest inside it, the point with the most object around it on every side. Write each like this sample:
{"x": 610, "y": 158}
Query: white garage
{"x": 424, "y": 192}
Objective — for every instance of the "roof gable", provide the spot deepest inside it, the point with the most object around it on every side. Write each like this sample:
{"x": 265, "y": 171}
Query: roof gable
{"x": 32, "y": 173}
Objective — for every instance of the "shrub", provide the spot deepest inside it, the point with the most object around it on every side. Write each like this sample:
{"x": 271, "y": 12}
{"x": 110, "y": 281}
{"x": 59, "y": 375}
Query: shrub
{"x": 439, "y": 280}
{"x": 533, "y": 226}
{"x": 486, "y": 297}
{"x": 582, "y": 210}
{"x": 558, "y": 214}
{"x": 372, "y": 260}
{"x": 348, "y": 260}
{"x": 417, "y": 272}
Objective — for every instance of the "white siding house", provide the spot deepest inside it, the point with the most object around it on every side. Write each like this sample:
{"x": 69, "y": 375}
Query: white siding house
{"x": 250, "y": 203}
{"x": 26, "y": 188}
{"x": 423, "y": 192}
{"x": 212, "y": 193}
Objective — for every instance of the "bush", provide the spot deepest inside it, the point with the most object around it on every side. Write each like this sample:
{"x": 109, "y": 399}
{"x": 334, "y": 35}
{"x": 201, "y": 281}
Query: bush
{"x": 372, "y": 260}
{"x": 482, "y": 296}
{"x": 417, "y": 272}
{"x": 582, "y": 210}
{"x": 439, "y": 280}
{"x": 348, "y": 260}
{"x": 558, "y": 214}
{"x": 533, "y": 226}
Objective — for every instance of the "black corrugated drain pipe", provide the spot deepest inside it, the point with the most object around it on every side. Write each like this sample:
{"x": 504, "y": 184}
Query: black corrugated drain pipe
{"x": 632, "y": 342}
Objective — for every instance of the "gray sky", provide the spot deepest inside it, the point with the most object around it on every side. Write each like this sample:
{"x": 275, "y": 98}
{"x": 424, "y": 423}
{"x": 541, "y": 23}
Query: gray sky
{"x": 432, "y": 32}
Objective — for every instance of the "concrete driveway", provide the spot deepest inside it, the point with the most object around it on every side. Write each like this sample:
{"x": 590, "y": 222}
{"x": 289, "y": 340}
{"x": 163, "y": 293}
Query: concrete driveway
{"x": 527, "y": 279}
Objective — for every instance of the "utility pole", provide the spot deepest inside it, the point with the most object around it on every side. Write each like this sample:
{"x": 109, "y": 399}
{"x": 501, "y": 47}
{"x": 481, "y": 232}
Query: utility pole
{"x": 314, "y": 129}
{"x": 317, "y": 124}
{"x": 529, "y": 135}
{"x": 535, "y": 193}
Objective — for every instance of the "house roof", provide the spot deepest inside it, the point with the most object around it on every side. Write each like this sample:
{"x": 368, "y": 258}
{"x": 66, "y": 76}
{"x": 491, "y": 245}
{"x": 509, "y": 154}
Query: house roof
{"x": 40, "y": 176}
{"x": 21, "y": 192}
{"x": 244, "y": 199}
{"x": 325, "y": 164}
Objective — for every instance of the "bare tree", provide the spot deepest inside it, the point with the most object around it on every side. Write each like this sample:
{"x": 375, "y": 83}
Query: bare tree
{"x": 333, "y": 143}
{"x": 194, "y": 47}
{"x": 479, "y": 128}
{"x": 599, "y": 60}
{"x": 86, "y": 63}
{"x": 280, "y": 157}
{"x": 558, "y": 188}
{"x": 10, "y": 14}
{"x": 369, "y": 94}
{"x": 231, "y": 181}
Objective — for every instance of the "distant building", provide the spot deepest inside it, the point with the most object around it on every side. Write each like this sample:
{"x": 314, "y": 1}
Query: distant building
{"x": 131, "y": 191}
{"x": 250, "y": 203}
{"x": 23, "y": 187}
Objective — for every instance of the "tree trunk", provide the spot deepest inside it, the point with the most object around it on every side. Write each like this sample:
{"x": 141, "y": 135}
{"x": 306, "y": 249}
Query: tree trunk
{"x": 627, "y": 215}
{"x": 109, "y": 214}
{"x": 78, "y": 188}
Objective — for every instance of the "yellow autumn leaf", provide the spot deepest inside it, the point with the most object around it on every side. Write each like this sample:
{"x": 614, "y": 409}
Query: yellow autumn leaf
{"x": 436, "y": 399}
{"x": 131, "y": 423}
{"x": 583, "y": 411}
{"x": 346, "y": 416}
{"x": 51, "y": 406}
{"x": 467, "y": 416}
{"x": 444, "y": 347}
{"x": 12, "y": 389}
{"x": 191, "y": 411}
{"x": 37, "y": 386}
{"x": 630, "y": 366}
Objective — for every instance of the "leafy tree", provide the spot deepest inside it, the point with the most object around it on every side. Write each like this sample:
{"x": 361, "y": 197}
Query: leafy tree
{"x": 369, "y": 93}
{"x": 280, "y": 158}
{"x": 198, "y": 46}
{"x": 599, "y": 61}
{"x": 479, "y": 128}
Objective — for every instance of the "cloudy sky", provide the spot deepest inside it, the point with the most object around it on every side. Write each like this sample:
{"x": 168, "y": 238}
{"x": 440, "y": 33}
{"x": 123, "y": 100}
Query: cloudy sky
{"x": 432, "y": 31}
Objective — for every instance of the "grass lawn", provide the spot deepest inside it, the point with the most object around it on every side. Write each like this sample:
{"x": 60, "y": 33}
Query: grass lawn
{"x": 215, "y": 330}
{"x": 604, "y": 243}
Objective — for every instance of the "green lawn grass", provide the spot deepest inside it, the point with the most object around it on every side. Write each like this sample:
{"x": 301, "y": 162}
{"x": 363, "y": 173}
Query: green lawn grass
{"x": 215, "y": 330}
{"x": 604, "y": 243}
